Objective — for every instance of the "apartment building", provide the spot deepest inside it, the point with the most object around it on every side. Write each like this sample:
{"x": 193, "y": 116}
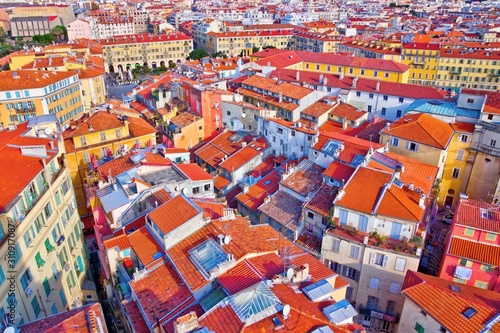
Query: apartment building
{"x": 94, "y": 139}
{"x": 315, "y": 42}
{"x": 27, "y": 21}
{"x": 233, "y": 43}
{"x": 29, "y": 93}
{"x": 41, "y": 232}
{"x": 423, "y": 59}
{"x": 79, "y": 29}
{"x": 471, "y": 251}
{"x": 106, "y": 23}
{"x": 433, "y": 141}
{"x": 378, "y": 215}
{"x": 127, "y": 52}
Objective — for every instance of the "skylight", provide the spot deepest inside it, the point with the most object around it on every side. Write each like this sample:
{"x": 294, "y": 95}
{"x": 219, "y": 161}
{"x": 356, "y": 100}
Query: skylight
{"x": 319, "y": 290}
{"x": 331, "y": 146}
{"x": 255, "y": 303}
{"x": 454, "y": 288}
{"x": 469, "y": 313}
{"x": 207, "y": 256}
{"x": 484, "y": 213}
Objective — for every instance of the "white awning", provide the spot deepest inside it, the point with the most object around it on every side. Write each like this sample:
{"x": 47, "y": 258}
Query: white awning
{"x": 463, "y": 273}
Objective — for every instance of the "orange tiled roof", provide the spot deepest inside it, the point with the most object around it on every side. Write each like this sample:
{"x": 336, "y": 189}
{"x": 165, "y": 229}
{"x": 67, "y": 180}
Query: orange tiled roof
{"x": 220, "y": 182}
{"x": 123, "y": 163}
{"x": 276, "y": 86}
{"x": 80, "y": 320}
{"x": 139, "y": 127}
{"x": 317, "y": 109}
{"x": 121, "y": 242}
{"x": 160, "y": 291}
{"x": 321, "y": 202}
{"x": 422, "y": 128}
{"x": 244, "y": 155}
{"x": 173, "y": 213}
{"x": 193, "y": 171}
{"x": 477, "y": 251}
{"x": 134, "y": 316}
{"x": 144, "y": 245}
{"x": 305, "y": 181}
{"x": 339, "y": 171}
{"x": 260, "y": 190}
{"x": 469, "y": 214}
{"x": 436, "y": 298}
{"x": 31, "y": 79}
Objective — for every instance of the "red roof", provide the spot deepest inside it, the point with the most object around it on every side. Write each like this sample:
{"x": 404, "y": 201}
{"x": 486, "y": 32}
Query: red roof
{"x": 339, "y": 171}
{"x": 80, "y": 320}
{"x": 240, "y": 277}
{"x": 194, "y": 172}
{"x": 478, "y": 215}
{"x": 173, "y": 213}
{"x": 244, "y": 155}
{"x": 474, "y": 250}
{"x": 122, "y": 242}
{"x": 134, "y": 316}
{"x": 144, "y": 245}
{"x": 12, "y": 183}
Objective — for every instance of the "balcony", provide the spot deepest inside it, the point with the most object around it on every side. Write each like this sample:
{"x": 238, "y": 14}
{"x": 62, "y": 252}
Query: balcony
{"x": 456, "y": 71}
{"x": 379, "y": 314}
{"x": 493, "y": 74}
{"x": 25, "y": 109}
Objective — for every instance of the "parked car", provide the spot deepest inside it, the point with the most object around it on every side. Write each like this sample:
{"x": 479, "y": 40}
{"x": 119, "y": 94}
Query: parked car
{"x": 448, "y": 218}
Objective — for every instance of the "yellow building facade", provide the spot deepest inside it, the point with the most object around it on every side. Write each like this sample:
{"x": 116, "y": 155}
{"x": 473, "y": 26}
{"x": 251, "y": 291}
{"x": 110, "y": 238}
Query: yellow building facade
{"x": 98, "y": 138}
{"x": 236, "y": 43}
{"x": 423, "y": 59}
{"x": 28, "y": 93}
{"x": 128, "y": 52}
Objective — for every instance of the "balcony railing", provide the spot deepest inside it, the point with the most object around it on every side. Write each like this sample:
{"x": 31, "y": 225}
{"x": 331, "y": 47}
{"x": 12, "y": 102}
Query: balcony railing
{"x": 25, "y": 109}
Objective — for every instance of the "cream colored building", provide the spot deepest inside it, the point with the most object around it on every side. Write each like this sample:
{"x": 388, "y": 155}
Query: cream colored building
{"x": 42, "y": 244}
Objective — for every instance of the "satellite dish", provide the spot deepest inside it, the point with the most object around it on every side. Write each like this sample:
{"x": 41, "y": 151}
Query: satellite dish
{"x": 286, "y": 310}
{"x": 243, "y": 115}
{"x": 176, "y": 189}
{"x": 227, "y": 239}
{"x": 10, "y": 329}
{"x": 48, "y": 131}
{"x": 184, "y": 191}
{"x": 289, "y": 273}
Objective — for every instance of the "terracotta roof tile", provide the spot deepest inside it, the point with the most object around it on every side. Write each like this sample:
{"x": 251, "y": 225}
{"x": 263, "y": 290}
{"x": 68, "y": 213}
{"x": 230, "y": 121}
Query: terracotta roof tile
{"x": 173, "y": 213}
{"x": 422, "y": 128}
{"x": 339, "y": 171}
{"x": 193, "y": 171}
{"x": 477, "y": 251}
{"x": 140, "y": 127}
{"x": 221, "y": 320}
{"x": 244, "y": 155}
{"x": 99, "y": 121}
{"x": 122, "y": 242}
{"x": 436, "y": 298}
{"x": 144, "y": 245}
{"x": 160, "y": 291}
{"x": 322, "y": 200}
{"x": 220, "y": 182}
{"x": 239, "y": 277}
{"x": 470, "y": 213}
{"x": 305, "y": 181}
{"x": 31, "y": 79}
{"x": 284, "y": 209}
{"x": 134, "y": 316}
{"x": 80, "y": 320}
{"x": 123, "y": 163}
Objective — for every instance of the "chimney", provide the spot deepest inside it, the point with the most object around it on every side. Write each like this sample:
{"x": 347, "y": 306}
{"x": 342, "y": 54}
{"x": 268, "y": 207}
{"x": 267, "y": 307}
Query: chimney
{"x": 187, "y": 323}
{"x": 354, "y": 81}
{"x": 280, "y": 98}
{"x": 344, "y": 123}
{"x": 341, "y": 76}
{"x": 301, "y": 273}
{"x": 377, "y": 86}
{"x": 397, "y": 172}
{"x": 365, "y": 240}
{"x": 297, "y": 76}
{"x": 421, "y": 202}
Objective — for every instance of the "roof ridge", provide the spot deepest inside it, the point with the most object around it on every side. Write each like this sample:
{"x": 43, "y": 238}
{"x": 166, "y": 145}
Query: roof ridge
{"x": 405, "y": 207}
{"x": 428, "y": 133}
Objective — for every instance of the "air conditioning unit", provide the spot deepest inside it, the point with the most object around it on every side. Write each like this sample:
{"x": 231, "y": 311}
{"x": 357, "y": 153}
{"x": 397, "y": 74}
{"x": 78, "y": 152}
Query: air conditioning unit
{"x": 66, "y": 267}
{"x": 74, "y": 251}
{"x": 28, "y": 292}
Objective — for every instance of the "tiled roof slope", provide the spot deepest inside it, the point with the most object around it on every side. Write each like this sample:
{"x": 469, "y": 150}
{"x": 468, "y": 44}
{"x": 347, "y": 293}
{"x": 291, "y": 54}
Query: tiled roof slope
{"x": 173, "y": 213}
{"x": 17, "y": 170}
{"x": 477, "y": 251}
{"x": 470, "y": 214}
{"x": 446, "y": 306}
{"x": 421, "y": 128}
{"x": 80, "y": 320}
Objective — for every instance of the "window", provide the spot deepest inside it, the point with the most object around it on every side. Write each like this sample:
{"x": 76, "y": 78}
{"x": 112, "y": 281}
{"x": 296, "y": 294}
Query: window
{"x": 487, "y": 268}
{"x": 442, "y": 330}
{"x": 83, "y": 141}
{"x": 369, "y": 109}
{"x": 463, "y": 138}
{"x": 375, "y": 73}
{"x": 400, "y": 264}
{"x": 490, "y": 117}
{"x": 372, "y": 303}
{"x": 118, "y": 132}
{"x": 2, "y": 276}
{"x": 58, "y": 197}
{"x": 310, "y": 215}
{"x": 493, "y": 143}
{"x": 343, "y": 216}
{"x": 55, "y": 271}
{"x": 465, "y": 263}
{"x": 39, "y": 261}
{"x": 48, "y": 210}
{"x": 412, "y": 146}
{"x": 378, "y": 259}
{"x": 455, "y": 173}
{"x": 386, "y": 97}
{"x": 103, "y": 136}
{"x": 391, "y": 306}
{"x": 374, "y": 282}
{"x": 63, "y": 297}
{"x": 350, "y": 272}
{"x": 36, "y": 306}
{"x": 401, "y": 99}
{"x": 419, "y": 328}
{"x": 196, "y": 190}
{"x": 384, "y": 110}
{"x": 470, "y": 100}
{"x": 65, "y": 187}
{"x": 395, "y": 142}
{"x": 26, "y": 279}
{"x": 490, "y": 236}
{"x": 354, "y": 252}
{"x": 398, "y": 113}
{"x": 460, "y": 155}
{"x": 481, "y": 284}
{"x": 86, "y": 157}
{"x": 394, "y": 288}
{"x": 46, "y": 287}
{"x": 358, "y": 93}
{"x": 370, "y": 95}
{"x": 336, "y": 246}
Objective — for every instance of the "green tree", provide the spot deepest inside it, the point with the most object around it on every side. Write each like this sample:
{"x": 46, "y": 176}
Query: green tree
{"x": 172, "y": 65}
{"x": 94, "y": 6}
{"x": 269, "y": 47}
{"x": 255, "y": 49}
{"x": 59, "y": 32}
{"x": 198, "y": 54}
{"x": 219, "y": 54}
{"x": 43, "y": 39}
